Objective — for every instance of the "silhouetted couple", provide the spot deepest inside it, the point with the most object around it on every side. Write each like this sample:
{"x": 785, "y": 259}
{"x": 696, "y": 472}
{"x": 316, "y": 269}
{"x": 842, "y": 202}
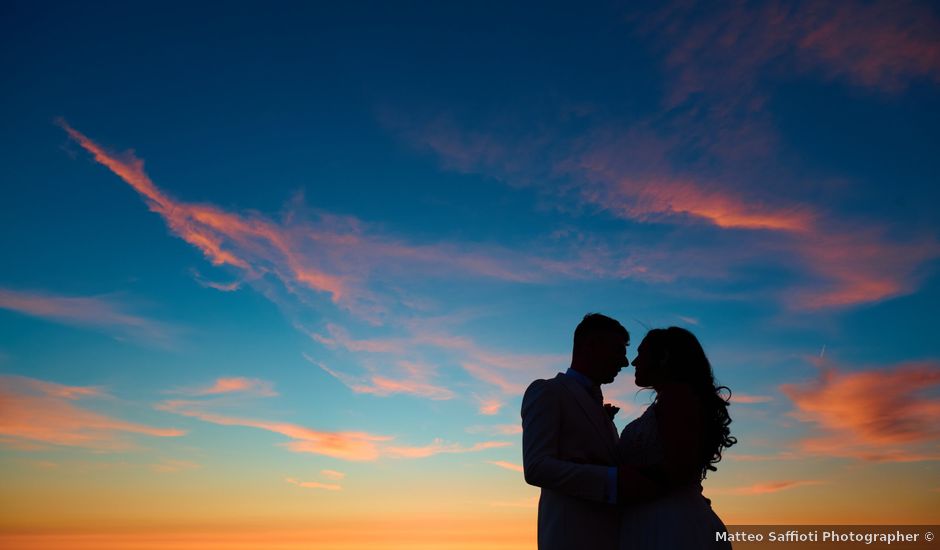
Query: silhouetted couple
{"x": 643, "y": 488}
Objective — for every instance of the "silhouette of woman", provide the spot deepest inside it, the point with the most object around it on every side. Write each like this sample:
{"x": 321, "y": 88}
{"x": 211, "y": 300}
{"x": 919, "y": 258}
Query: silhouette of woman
{"x": 676, "y": 441}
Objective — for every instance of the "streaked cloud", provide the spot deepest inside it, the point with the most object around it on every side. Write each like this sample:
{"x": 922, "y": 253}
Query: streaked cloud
{"x": 750, "y": 399}
{"x": 509, "y": 372}
{"x": 880, "y": 415}
{"x": 507, "y": 465}
{"x": 878, "y": 45}
{"x": 340, "y": 257}
{"x": 770, "y": 487}
{"x": 332, "y": 474}
{"x": 382, "y": 386}
{"x": 35, "y": 413}
{"x": 628, "y": 172}
{"x": 237, "y": 384}
{"x": 496, "y": 429}
{"x": 355, "y": 446}
{"x": 103, "y": 313}
{"x": 439, "y": 446}
{"x": 489, "y": 405}
{"x": 314, "y": 484}
{"x": 345, "y": 445}
{"x": 172, "y": 466}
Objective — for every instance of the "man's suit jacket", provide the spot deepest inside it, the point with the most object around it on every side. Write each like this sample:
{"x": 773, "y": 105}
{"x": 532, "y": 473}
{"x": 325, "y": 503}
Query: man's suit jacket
{"x": 568, "y": 446}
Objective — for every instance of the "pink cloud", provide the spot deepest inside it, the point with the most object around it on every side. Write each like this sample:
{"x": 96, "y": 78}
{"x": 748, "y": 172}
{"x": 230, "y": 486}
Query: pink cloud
{"x": 251, "y": 386}
{"x": 750, "y": 399}
{"x": 382, "y": 386}
{"x": 97, "y": 312}
{"x": 352, "y": 446}
{"x": 169, "y": 466}
{"x": 497, "y": 429}
{"x": 877, "y": 415}
{"x": 772, "y": 487}
{"x": 439, "y": 446}
{"x": 507, "y": 465}
{"x": 879, "y": 45}
{"x": 340, "y": 257}
{"x": 627, "y": 173}
{"x": 332, "y": 474}
{"x": 315, "y": 485}
{"x": 509, "y": 372}
{"x": 489, "y": 406}
{"x": 34, "y": 413}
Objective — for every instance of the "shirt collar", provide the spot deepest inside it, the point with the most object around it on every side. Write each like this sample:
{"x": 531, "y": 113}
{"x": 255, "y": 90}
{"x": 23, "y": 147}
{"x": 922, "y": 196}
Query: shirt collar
{"x": 581, "y": 378}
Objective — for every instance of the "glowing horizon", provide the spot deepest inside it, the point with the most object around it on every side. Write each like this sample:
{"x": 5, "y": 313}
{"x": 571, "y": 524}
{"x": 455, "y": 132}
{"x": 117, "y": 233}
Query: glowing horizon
{"x": 280, "y": 279}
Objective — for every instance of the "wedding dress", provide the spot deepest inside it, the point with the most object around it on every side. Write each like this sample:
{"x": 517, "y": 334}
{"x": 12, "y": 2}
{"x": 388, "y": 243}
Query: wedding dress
{"x": 681, "y": 520}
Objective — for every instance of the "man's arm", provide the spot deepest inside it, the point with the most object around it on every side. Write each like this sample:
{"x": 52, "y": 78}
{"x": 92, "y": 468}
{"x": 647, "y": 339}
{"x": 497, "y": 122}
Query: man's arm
{"x": 541, "y": 422}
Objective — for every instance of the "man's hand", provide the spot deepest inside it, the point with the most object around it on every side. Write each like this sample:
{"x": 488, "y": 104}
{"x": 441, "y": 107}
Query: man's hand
{"x": 634, "y": 487}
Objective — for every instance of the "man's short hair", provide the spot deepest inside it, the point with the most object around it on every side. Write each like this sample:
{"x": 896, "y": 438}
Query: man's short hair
{"x": 595, "y": 324}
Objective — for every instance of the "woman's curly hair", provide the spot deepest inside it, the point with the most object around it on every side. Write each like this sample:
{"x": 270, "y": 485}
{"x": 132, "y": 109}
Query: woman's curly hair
{"x": 685, "y": 361}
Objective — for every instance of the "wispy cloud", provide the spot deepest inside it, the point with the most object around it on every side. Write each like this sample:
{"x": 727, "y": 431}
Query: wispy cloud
{"x": 750, "y": 399}
{"x": 355, "y": 446}
{"x": 172, "y": 466}
{"x": 716, "y": 49}
{"x": 225, "y": 385}
{"x": 339, "y": 257}
{"x": 496, "y": 429}
{"x": 880, "y": 415}
{"x": 507, "y": 465}
{"x": 332, "y": 474}
{"x": 347, "y": 445}
{"x": 439, "y": 446}
{"x": 315, "y": 485}
{"x": 414, "y": 384}
{"x": 770, "y": 487}
{"x": 103, "y": 313}
{"x": 37, "y": 413}
{"x": 489, "y": 405}
{"x": 628, "y": 173}
{"x": 509, "y": 372}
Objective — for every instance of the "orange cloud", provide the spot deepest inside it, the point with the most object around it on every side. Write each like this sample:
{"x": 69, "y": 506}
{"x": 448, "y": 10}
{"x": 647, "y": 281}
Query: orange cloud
{"x": 498, "y": 429}
{"x": 169, "y": 466}
{"x": 97, "y": 312}
{"x": 656, "y": 197}
{"x": 772, "y": 487}
{"x": 858, "y": 266}
{"x": 489, "y": 406}
{"x": 745, "y": 398}
{"x": 353, "y": 446}
{"x": 510, "y": 372}
{"x": 383, "y": 386}
{"x": 334, "y": 255}
{"x": 879, "y": 45}
{"x": 876, "y": 415}
{"x": 35, "y": 413}
{"x": 251, "y": 386}
{"x": 506, "y": 465}
{"x": 332, "y": 474}
{"x": 439, "y": 447}
{"x": 315, "y": 485}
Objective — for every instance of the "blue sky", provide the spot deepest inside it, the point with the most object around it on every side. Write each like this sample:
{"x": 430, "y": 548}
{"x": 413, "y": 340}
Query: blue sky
{"x": 381, "y": 222}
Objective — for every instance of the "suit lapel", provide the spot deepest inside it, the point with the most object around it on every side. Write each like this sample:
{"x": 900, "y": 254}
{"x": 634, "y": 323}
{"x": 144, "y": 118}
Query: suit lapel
{"x": 594, "y": 413}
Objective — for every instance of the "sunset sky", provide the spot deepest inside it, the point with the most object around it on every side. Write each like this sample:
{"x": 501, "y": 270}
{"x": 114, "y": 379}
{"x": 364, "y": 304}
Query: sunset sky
{"x": 275, "y": 275}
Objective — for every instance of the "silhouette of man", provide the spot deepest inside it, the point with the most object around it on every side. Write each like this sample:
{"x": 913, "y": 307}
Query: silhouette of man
{"x": 569, "y": 442}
